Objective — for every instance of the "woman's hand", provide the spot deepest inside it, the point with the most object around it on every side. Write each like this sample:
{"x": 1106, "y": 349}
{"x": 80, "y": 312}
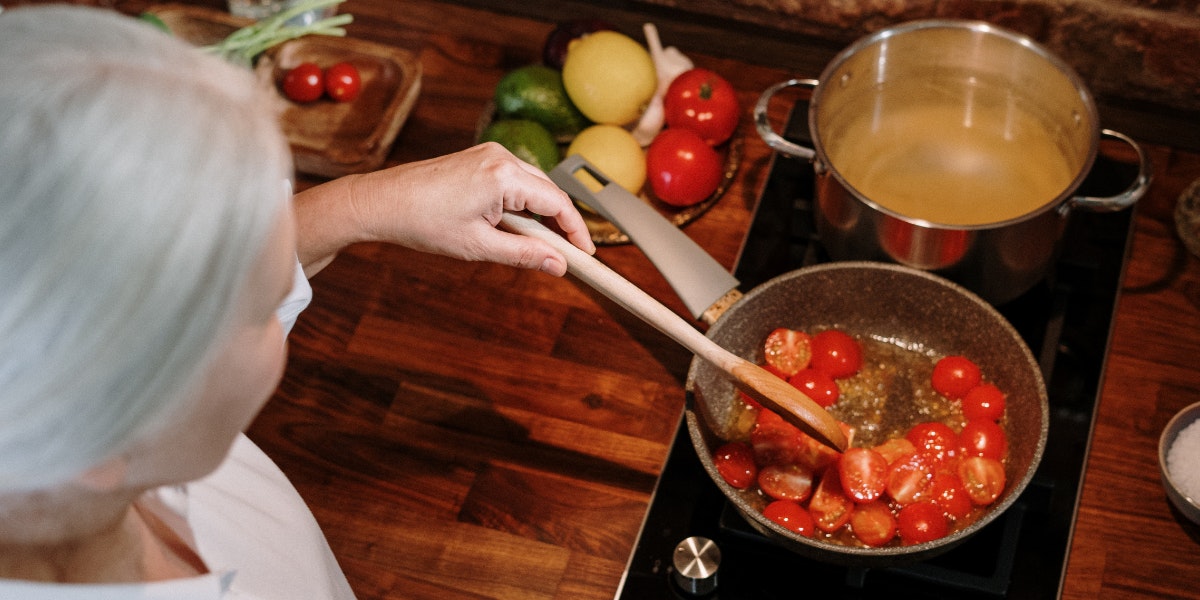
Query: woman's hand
{"x": 448, "y": 205}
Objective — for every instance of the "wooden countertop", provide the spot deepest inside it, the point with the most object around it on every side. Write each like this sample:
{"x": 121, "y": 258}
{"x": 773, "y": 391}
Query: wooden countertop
{"x": 465, "y": 430}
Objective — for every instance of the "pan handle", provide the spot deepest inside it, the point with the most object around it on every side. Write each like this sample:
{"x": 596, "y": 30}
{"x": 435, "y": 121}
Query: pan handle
{"x": 699, "y": 280}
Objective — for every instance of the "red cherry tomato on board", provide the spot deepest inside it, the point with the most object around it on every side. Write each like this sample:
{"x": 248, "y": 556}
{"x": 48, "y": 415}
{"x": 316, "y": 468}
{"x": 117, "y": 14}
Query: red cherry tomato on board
{"x": 954, "y": 376}
{"x": 703, "y": 101}
{"x": 304, "y": 83}
{"x": 343, "y": 82}
{"x": 681, "y": 168}
{"x": 836, "y": 353}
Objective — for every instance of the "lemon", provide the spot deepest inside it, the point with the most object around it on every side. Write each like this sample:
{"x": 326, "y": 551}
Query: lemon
{"x": 527, "y": 140}
{"x": 614, "y": 152}
{"x": 536, "y": 92}
{"x": 609, "y": 77}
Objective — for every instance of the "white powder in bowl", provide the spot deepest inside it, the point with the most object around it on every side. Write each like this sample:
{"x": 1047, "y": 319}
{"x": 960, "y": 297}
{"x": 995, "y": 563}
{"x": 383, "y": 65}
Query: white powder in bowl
{"x": 1183, "y": 461}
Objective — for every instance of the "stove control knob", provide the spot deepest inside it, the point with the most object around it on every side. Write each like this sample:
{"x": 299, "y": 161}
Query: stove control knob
{"x": 696, "y": 562}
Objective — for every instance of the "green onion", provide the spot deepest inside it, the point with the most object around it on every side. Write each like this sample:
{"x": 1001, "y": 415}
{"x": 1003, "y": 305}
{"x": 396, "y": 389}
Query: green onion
{"x": 244, "y": 45}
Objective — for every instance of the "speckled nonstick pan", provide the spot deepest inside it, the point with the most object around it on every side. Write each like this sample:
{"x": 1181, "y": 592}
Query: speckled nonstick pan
{"x": 914, "y": 309}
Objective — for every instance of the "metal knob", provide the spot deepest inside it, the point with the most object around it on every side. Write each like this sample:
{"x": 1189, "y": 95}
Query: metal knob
{"x": 696, "y": 562}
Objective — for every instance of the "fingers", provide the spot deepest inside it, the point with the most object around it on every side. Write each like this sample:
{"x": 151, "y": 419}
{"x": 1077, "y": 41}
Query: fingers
{"x": 546, "y": 199}
{"x": 525, "y": 252}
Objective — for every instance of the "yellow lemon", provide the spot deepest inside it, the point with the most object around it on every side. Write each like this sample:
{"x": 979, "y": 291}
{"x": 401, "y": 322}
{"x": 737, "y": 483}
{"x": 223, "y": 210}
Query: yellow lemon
{"x": 609, "y": 77}
{"x": 614, "y": 152}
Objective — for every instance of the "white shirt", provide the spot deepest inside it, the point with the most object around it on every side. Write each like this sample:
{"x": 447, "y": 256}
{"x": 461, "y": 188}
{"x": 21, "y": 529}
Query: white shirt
{"x": 246, "y": 520}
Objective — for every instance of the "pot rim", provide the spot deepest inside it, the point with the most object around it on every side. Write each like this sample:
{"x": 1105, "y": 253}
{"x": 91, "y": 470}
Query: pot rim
{"x": 822, "y": 163}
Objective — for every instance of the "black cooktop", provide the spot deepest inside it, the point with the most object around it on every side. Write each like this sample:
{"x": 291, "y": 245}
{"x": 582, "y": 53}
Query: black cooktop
{"x": 1065, "y": 320}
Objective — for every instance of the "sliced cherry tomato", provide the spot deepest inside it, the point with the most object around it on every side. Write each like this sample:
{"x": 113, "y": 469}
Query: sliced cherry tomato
{"x": 873, "y": 523}
{"x": 830, "y": 507}
{"x": 863, "y": 474}
{"x": 984, "y": 438}
{"x": 947, "y": 492}
{"x": 984, "y": 401}
{"x": 982, "y": 478}
{"x": 342, "y": 82}
{"x": 735, "y": 463}
{"x": 786, "y": 482}
{"x": 954, "y": 376}
{"x": 817, "y": 385}
{"x": 908, "y": 479}
{"x": 934, "y": 437}
{"x": 895, "y": 449}
{"x": 791, "y": 516}
{"x": 776, "y": 441}
{"x": 304, "y": 83}
{"x": 787, "y": 351}
{"x": 681, "y": 168}
{"x": 704, "y": 102}
{"x": 922, "y": 522}
{"x": 836, "y": 353}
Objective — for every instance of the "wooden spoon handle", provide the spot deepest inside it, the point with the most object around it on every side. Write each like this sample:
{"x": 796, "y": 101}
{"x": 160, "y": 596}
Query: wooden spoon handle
{"x": 771, "y": 391}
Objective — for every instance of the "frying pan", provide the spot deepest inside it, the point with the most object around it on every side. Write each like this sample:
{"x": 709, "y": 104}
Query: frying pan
{"x": 891, "y": 303}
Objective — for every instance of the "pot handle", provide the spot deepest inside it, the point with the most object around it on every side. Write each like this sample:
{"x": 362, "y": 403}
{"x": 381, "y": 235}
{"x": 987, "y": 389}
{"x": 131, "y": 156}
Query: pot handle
{"x": 774, "y": 140}
{"x": 1132, "y": 194}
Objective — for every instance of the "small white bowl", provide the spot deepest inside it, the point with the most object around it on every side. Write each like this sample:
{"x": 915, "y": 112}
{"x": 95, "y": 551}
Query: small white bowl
{"x": 1189, "y": 506}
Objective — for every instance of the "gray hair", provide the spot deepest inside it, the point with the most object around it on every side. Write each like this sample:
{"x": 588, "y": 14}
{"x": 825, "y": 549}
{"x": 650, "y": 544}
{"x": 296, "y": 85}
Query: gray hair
{"x": 139, "y": 179}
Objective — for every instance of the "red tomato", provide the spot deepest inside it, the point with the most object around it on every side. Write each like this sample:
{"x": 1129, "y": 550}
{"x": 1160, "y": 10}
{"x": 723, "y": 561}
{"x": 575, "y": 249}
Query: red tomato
{"x": 836, "y": 353}
{"x": 982, "y": 478}
{"x": 735, "y": 463}
{"x": 947, "y": 492}
{"x": 342, "y": 82}
{"x": 873, "y": 523}
{"x": 934, "y": 437}
{"x": 304, "y": 83}
{"x": 984, "y": 401}
{"x": 830, "y": 507}
{"x": 954, "y": 376}
{"x": 681, "y": 168}
{"x": 863, "y": 474}
{"x": 983, "y": 438}
{"x": 703, "y": 101}
{"x": 787, "y": 351}
{"x": 774, "y": 440}
{"x": 816, "y": 385}
{"x": 786, "y": 482}
{"x": 791, "y": 516}
{"x": 908, "y": 479}
{"x": 922, "y": 522}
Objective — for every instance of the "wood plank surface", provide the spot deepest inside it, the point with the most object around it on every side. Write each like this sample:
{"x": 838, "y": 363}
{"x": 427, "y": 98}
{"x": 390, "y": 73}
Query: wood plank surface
{"x": 465, "y": 430}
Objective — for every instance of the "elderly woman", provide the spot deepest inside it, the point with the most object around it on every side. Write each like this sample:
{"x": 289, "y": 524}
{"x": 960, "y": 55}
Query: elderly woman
{"x": 148, "y": 273}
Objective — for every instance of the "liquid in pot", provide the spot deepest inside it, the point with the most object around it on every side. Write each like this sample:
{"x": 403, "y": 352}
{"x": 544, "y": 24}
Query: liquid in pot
{"x": 953, "y": 164}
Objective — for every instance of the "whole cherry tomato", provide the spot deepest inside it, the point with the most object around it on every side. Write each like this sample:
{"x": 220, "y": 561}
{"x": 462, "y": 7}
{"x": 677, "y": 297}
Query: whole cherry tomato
{"x": 837, "y": 353}
{"x": 304, "y": 83}
{"x": 983, "y": 437}
{"x": 954, "y": 376}
{"x": 791, "y": 516}
{"x": 343, "y": 82}
{"x": 984, "y": 401}
{"x": 735, "y": 463}
{"x": 703, "y": 101}
{"x": 817, "y": 385}
{"x": 935, "y": 438}
{"x": 922, "y": 522}
{"x": 681, "y": 168}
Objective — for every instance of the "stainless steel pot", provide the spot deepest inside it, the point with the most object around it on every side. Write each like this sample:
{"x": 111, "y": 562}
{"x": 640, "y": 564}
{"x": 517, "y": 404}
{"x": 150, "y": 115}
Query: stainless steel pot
{"x": 954, "y": 147}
